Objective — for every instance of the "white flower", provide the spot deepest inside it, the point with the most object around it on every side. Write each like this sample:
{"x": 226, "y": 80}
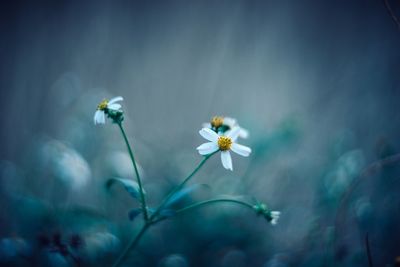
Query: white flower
{"x": 224, "y": 143}
{"x": 230, "y": 123}
{"x": 275, "y": 216}
{"x": 104, "y": 106}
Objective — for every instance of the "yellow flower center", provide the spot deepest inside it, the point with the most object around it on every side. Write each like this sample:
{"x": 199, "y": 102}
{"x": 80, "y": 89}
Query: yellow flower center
{"x": 103, "y": 105}
{"x": 224, "y": 143}
{"x": 217, "y": 121}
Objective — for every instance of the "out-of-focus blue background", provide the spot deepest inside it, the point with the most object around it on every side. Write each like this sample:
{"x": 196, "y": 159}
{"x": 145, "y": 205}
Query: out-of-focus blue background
{"x": 316, "y": 83}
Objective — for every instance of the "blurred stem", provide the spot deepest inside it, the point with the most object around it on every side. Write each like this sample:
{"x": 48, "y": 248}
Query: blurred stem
{"x": 135, "y": 240}
{"x": 370, "y": 264}
{"x": 371, "y": 169}
{"x": 182, "y": 184}
{"x": 139, "y": 181}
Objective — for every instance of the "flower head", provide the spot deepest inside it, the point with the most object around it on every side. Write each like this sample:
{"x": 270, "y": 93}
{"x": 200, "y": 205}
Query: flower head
{"x": 275, "y": 216}
{"x": 222, "y": 125}
{"x": 224, "y": 143}
{"x": 271, "y": 216}
{"x": 110, "y": 108}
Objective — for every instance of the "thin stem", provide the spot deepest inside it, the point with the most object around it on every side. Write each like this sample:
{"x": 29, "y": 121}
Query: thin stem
{"x": 343, "y": 203}
{"x": 368, "y": 171}
{"x": 212, "y": 201}
{"x": 178, "y": 187}
{"x": 370, "y": 264}
{"x": 143, "y": 199}
{"x": 391, "y": 13}
{"x": 207, "y": 202}
{"x": 135, "y": 240}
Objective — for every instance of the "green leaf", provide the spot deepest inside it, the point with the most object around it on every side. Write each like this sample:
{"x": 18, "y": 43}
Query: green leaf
{"x": 130, "y": 186}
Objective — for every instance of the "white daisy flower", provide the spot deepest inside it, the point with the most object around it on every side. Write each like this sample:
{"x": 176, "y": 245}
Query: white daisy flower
{"x": 275, "y": 216}
{"x": 104, "y": 107}
{"x": 224, "y": 143}
{"x": 227, "y": 124}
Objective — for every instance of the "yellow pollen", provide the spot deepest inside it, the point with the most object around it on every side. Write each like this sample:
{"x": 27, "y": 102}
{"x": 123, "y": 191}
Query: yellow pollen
{"x": 224, "y": 143}
{"x": 103, "y": 105}
{"x": 217, "y": 121}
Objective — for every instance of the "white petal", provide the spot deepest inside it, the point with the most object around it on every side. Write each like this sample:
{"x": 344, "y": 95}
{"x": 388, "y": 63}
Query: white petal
{"x": 231, "y": 122}
{"x": 114, "y": 106}
{"x": 115, "y": 99}
{"x": 101, "y": 118}
{"x": 97, "y": 116}
{"x": 209, "y": 134}
{"x": 226, "y": 160}
{"x": 275, "y": 216}
{"x": 243, "y": 133}
{"x": 233, "y": 133}
{"x": 241, "y": 150}
{"x": 207, "y": 148}
{"x": 275, "y": 213}
{"x": 206, "y": 125}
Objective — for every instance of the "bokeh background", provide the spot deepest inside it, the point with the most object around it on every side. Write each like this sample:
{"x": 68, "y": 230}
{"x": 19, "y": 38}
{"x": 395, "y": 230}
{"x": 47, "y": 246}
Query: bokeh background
{"x": 316, "y": 83}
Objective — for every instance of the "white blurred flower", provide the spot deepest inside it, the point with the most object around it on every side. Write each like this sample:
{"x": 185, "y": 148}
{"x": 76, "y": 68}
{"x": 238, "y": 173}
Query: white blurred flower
{"x": 224, "y": 124}
{"x": 274, "y": 217}
{"x": 270, "y": 216}
{"x": 104, "y": 107}
{"x": 224, "y": 143}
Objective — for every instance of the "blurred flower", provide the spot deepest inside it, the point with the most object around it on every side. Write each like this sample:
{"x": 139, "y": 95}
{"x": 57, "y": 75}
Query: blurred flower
{"x": 221, "y": 124}
{"x": 65, "y": 163}
{"x": 271, "y": 216}
{"x": 109, "y": 108}
{"x": 275, "y": 216}
{"x": 100, "y": 243}
{"x": 224, "y": 143}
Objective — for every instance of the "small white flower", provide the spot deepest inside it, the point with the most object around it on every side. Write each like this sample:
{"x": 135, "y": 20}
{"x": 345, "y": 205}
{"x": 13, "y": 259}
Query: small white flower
{"x": 275, "y": 216}
{"x": 230, "y": 123}
{"x": 224, "y": 143}
{"x": 104, "y": 106}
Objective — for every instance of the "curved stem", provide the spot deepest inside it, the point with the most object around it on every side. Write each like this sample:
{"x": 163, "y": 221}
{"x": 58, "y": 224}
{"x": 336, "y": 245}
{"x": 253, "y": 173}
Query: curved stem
{"x": 135, "y": 240}
{"x": 212, "y": 201}
{"x": 177, "y": 188}
{"x": 391, "y": 13}
{"x": 143, "y": 199}
{"x": 208, "y": 202}
{"x": 345, "y": 198}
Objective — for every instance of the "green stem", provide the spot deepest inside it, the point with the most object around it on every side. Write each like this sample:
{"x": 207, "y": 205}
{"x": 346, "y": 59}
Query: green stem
{"x": 143, "y": 199}
{"x": 212, "y": 201}
{"x": 177, "y": 188}
{"x": 208, "y": 202}
{"x": 135, "y": 240}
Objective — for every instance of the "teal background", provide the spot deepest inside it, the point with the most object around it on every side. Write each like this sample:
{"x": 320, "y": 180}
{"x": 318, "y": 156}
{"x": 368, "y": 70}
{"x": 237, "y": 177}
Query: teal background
{"x": 315, "y": 82}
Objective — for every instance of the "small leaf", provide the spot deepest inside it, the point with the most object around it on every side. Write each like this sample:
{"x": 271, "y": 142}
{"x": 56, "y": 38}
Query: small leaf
{"x": 184, "y": 192}
{"x": 130, "y": 186}
{"x": 134, "y": 213}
